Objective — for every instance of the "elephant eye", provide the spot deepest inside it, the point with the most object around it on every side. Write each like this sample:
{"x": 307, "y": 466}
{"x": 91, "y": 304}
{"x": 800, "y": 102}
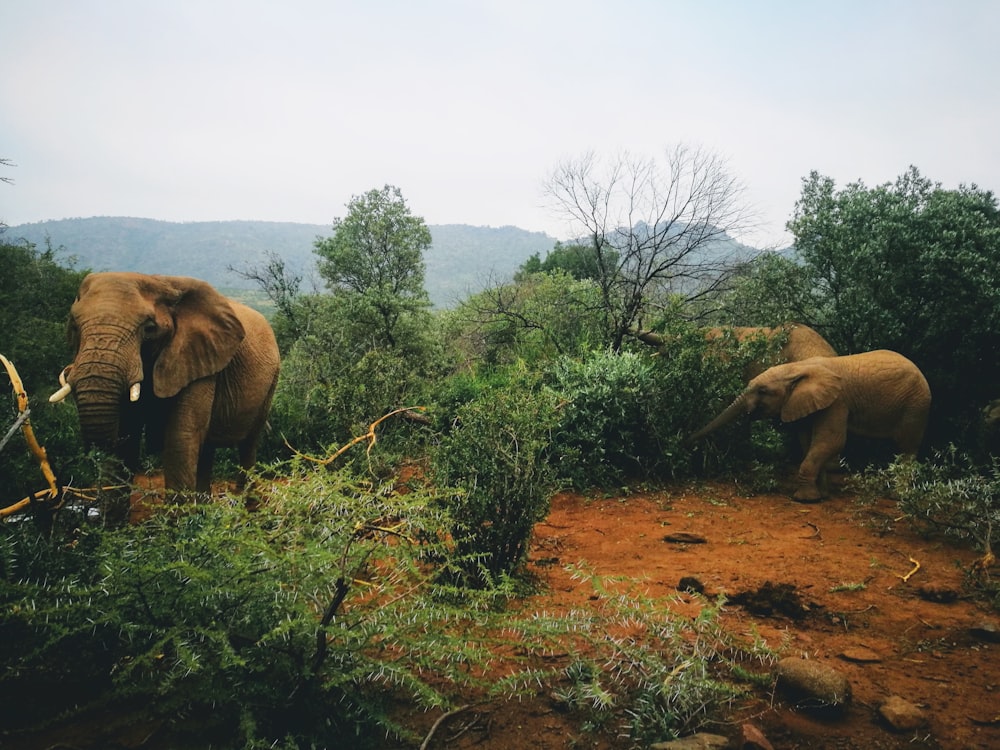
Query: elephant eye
{"x": 150, "y": 329}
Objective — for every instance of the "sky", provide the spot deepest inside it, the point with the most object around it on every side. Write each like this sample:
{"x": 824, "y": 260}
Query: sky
{"x": 211, "y": 110}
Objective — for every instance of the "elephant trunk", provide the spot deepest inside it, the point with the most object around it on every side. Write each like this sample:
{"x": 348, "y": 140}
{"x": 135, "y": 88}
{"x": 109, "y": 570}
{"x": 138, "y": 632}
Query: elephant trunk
{"x": 731, "y": 413}
{"x": 100, "y": 379}
{"x": 98, "y": 404}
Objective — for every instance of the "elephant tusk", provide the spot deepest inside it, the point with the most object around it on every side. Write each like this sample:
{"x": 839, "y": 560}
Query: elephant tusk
{"x": 65, "y": 388}
{"x": 133, "y": 392}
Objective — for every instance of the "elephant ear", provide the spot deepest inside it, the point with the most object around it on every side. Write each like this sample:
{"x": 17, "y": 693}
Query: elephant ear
{"x": 814, "y": 387}
{"x": 206, "y": 335}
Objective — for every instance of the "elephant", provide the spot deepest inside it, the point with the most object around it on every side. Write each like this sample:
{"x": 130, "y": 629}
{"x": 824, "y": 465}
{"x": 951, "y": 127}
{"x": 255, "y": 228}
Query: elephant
{"x": 800, "y": 342}
{"x": 172, "y": 358}
{"x": 879, "y": 394}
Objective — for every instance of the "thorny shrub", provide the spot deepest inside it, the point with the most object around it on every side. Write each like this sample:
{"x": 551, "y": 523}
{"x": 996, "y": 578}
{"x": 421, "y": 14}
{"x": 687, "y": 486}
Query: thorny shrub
{"x": 947, "y": 494}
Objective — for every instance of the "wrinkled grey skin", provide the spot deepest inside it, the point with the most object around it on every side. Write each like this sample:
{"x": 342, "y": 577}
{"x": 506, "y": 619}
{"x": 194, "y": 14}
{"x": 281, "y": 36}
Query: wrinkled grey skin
{"x": 205, "y": 368}
{"x": 878, "y": 394}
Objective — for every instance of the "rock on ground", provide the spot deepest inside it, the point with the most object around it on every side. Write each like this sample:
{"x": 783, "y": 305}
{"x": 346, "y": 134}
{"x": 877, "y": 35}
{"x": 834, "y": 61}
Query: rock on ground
{"x": 813, "y": 685}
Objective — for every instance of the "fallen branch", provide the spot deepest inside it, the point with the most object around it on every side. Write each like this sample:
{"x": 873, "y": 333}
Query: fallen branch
{"x": 441, "y": 719}
{"x": 369, "y": 436}
{"x": 29, "y": 434}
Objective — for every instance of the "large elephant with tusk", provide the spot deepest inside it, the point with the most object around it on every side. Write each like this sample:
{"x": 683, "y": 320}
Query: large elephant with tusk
{"x": 171, "y": 358}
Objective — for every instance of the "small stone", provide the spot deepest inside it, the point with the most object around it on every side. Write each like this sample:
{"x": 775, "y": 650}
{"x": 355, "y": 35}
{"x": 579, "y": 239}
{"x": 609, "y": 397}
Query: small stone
{"x": 861, "y": 655}
{"x": 751, "y": 738}
{"x": 813, "y": 685}
{"x": 902, "y": 715}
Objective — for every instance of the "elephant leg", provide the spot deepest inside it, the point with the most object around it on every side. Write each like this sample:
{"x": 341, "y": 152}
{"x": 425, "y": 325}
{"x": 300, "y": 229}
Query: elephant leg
{"x": 829, "y": 434}
{"x": 206, "y": 460}
{"x": 248, "y": 457}
{"x": 186, "y": 432}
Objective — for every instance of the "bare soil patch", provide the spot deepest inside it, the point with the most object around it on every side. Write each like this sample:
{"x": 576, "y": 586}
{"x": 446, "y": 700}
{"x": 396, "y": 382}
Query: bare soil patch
{"x": 822, "y": 581}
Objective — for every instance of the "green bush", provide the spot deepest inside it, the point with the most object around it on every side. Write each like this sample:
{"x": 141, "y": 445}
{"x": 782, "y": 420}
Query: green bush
{"x": 949, "y": 494}
{"x": 497, "y": 458}
{"x": 627, "y": 415}
{"x": 305, "y": 619}
{"x": 604, "y": 436}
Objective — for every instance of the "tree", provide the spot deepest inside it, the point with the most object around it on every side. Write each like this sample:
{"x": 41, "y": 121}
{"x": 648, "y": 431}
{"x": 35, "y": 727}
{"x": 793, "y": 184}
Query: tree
{"x": 656, "y": 227}
{"x": 912, "y": 267}
{"x": 282, "y": 287}
{"x": 540, "y": 315}
{"x": 579, "y": 260}
{"x": 769, "y": 290}
{"x": 375, "y": 255}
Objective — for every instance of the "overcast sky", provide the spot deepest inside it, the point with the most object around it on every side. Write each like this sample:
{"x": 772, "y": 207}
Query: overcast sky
{"x": 201, "y": 110}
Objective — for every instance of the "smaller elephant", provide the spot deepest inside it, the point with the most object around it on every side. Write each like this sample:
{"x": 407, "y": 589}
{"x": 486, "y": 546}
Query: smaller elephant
{"x": 800, "y": 342}
{"x": 878, "y": 394}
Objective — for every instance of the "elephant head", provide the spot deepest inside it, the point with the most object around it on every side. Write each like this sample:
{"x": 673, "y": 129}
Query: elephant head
{"x": 791, "y": 391}
{"x": 133, "y": 333}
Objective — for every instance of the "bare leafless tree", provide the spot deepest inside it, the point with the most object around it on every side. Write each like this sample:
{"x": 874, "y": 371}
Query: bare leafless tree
{"x": 658, "y": 225}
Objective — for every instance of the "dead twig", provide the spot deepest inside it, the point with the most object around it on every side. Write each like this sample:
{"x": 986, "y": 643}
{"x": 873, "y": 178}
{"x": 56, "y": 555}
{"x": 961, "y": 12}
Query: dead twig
{"x": 916, "y": 567}
{"x": 408, "y": 411}
{"x": 441, "y": 720}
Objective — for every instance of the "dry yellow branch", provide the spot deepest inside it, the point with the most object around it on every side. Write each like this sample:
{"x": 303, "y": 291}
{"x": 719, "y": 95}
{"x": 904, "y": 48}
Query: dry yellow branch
{"x": 29, "y": 434}
{"x": 369, "y": 436}
{"x": 88, "y": 494}
{"x": 916, "y": 567}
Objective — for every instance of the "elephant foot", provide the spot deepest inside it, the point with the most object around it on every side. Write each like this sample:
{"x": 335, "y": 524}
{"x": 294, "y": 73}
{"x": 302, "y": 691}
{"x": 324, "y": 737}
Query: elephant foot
{"x": 807, "y": 494}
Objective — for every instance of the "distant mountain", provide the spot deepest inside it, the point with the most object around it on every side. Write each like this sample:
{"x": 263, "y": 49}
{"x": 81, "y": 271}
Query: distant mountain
{"x": 462, "y": 258}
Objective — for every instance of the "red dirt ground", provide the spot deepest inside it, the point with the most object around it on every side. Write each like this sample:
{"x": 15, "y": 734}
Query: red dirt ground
{"x": 926, "y": 649}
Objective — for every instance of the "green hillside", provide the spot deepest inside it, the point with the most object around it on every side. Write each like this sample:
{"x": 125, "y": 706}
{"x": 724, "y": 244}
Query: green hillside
{"x": 462, "y": 258}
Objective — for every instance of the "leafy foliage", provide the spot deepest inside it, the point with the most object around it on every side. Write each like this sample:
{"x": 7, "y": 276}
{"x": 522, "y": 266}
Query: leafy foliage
{"x": 769, "y": 290}
{"x": 537, "y": 318}
{"x": 301, "y": 619}
{"x": 606, "y": 433}
{"x": 36, "y": 292}
{"x": 497, "y": 457}
{"x": 578, "y": 260}
{"x": 335, "y": 380}
{"x": 375, "y": 255}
